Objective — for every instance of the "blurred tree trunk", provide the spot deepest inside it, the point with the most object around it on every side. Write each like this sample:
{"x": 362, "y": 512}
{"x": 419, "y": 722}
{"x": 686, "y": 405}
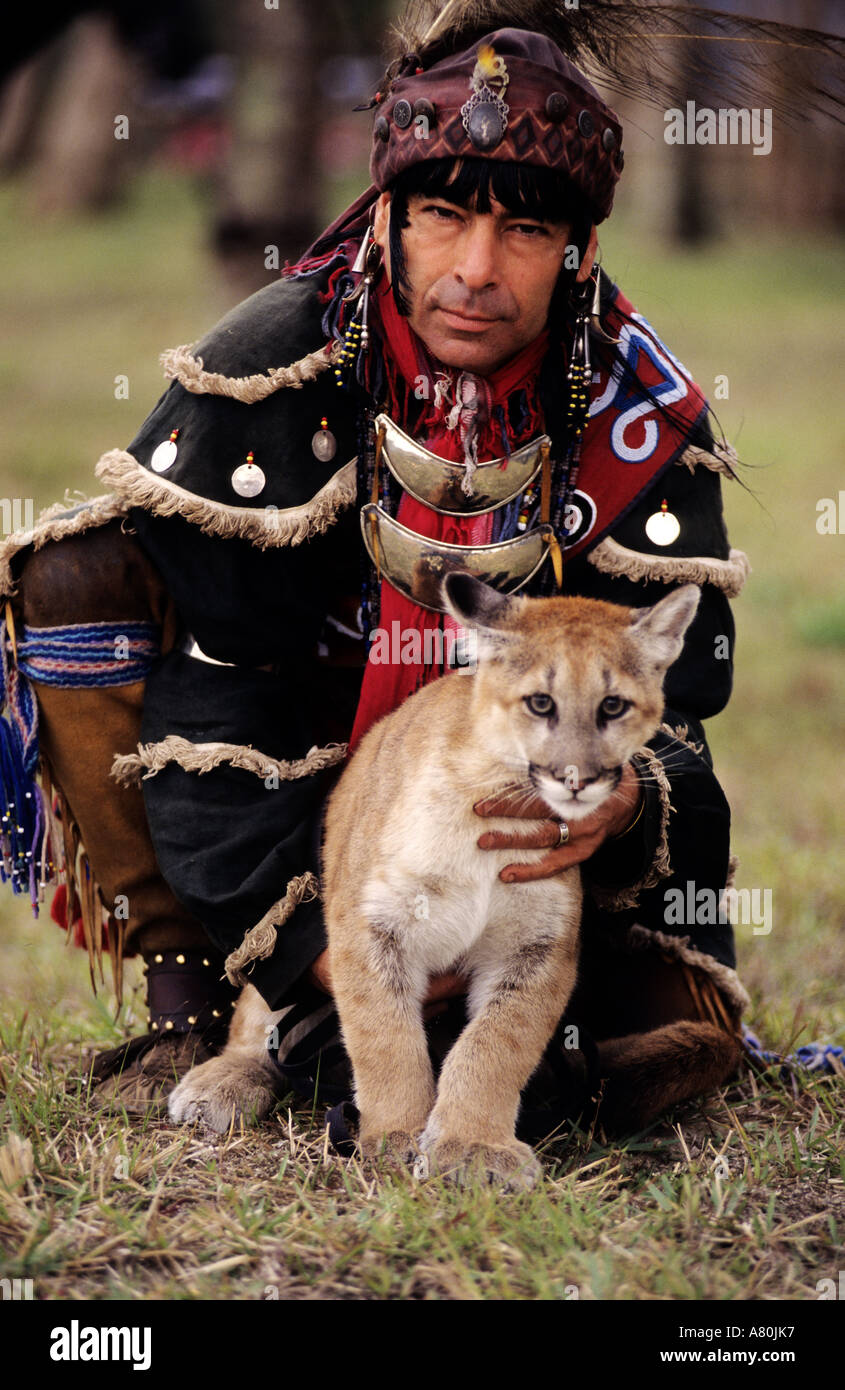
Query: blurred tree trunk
{"x": 694, "y": 217}
{"x": 22, "y": 101}
{"x": 269, "y": 185}
{"x": 76, "y": 160}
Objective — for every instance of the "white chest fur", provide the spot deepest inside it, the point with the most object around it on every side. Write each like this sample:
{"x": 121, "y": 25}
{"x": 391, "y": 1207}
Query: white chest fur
{"x": 440, "y": 895}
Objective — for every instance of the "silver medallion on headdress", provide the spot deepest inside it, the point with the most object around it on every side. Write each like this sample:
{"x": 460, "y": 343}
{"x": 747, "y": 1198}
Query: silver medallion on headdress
{"x": 485, "y": 114}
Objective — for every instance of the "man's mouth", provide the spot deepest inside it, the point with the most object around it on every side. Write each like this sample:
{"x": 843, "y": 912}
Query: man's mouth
{"x": 466, "y": 323}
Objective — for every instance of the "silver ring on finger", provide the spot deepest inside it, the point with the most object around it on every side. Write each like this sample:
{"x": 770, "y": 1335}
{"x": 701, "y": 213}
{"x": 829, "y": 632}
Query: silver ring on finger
{"x": 563, "y": 834}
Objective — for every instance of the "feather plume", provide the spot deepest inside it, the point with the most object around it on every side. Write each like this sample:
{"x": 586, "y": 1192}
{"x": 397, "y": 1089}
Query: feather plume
{"x": 660, "y": 53}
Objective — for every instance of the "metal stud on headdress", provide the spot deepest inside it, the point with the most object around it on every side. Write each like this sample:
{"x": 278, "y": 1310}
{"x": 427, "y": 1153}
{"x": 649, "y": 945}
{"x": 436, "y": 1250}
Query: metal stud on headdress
{"x": 323, "y": 443}
{"x": 663, "y": 527}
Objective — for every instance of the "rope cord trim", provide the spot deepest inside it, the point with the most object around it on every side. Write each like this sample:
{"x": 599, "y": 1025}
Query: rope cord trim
{"x": 263, "y": 526}
{"x": 728, "y": 575}
{"x": 181, "y": 365}
{"x": 260, "y": 940}
{"x": 722, "y": 458}
{"x": 132, "y": 768}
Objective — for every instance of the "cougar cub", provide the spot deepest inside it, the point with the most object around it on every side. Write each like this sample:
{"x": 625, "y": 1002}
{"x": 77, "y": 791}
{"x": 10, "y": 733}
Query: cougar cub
{"x": 565, "y": 691}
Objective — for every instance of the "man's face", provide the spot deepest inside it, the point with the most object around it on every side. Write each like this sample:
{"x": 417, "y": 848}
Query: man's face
{"x": 480, "y": 283}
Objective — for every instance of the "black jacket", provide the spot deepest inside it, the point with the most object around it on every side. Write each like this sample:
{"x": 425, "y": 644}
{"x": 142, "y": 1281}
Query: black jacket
{"x": 257, "y": 595}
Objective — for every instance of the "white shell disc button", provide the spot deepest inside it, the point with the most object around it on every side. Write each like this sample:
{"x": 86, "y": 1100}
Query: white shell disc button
{"x": 248, "y": 480}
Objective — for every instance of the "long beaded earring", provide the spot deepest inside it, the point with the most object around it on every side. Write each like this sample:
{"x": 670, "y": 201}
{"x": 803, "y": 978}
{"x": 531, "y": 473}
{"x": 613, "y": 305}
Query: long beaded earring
{"x": 578, "y": 377}
{"x": 357, "y": 337}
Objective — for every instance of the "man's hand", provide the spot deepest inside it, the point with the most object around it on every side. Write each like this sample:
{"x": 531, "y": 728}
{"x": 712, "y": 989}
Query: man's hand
{"x": 319, "y": 973}
{"x": 586, "y": 835}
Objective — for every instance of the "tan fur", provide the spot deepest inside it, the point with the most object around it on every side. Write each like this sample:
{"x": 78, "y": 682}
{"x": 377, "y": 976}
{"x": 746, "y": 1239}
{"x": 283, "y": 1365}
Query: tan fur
{"x": 408, "y": 894}
{"x": 240, "y": 1083}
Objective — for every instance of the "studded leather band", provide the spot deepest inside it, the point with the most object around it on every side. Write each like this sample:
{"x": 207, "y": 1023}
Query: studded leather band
{"x": 185, "y": 992}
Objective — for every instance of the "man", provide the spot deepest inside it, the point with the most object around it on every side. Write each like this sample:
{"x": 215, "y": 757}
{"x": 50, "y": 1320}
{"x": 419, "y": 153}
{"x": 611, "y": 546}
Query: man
{"x": 469, "y": 324}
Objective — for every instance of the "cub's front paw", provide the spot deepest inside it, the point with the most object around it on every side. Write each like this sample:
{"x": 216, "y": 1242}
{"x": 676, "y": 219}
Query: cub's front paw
{"x": 513, "y": 1166}
{"x": 396, "y": 1147}
{"x": 222, "y": 1092}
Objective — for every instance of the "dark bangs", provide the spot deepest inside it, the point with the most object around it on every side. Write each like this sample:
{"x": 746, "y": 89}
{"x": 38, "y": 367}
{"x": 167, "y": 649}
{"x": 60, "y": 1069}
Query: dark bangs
{"x": 527, "y": 189}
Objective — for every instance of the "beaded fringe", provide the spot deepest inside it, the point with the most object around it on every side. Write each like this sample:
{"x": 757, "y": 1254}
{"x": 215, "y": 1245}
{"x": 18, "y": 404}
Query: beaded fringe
{"x": 99, "y": 930}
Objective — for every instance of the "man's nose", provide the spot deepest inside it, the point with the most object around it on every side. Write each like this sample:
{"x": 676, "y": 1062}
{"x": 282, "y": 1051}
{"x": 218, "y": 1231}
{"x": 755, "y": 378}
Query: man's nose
{"x": 477, "y": 263}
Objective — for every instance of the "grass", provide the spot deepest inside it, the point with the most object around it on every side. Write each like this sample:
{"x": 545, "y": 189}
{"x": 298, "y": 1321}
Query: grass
{"x": 738, "y": 1197}
{"x": 743, "y": 1198}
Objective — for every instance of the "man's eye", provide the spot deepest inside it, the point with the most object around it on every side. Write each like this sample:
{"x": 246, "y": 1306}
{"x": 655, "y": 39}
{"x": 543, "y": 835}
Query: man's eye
{"x": 447, "y": 214}
{"x": 530, "y": 229}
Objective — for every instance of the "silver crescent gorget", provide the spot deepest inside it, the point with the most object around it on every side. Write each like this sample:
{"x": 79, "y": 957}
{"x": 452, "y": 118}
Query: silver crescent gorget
{"x": 417, "y": 565}
{"x": 436, "y": 482}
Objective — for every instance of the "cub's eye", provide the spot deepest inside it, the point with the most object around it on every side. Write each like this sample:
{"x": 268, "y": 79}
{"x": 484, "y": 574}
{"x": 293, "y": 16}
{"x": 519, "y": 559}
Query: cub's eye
{"x": 540, "y": 704}
{"x": 612, "y": 706}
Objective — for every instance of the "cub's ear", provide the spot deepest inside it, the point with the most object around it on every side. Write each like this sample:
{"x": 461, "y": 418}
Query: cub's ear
{"x": 472, "y": 602}
{"x": 660, "y": 629}
{"x": 483, "y": 611}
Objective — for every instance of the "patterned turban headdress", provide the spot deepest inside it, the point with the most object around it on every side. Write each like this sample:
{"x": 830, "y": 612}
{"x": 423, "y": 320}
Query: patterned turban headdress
{"x": 513, "y": 80}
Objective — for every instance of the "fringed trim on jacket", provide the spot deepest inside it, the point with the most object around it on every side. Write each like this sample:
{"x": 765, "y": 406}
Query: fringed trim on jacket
{"x": 62, "y": 519}
{"x": 260, "y": 940}
{"x": 728, "y": 575}
{"x": 100, "y": 930}
{"x": 180, "y": 365}
{"x": 131, "y": 769}
{"x": 679, "y": 948}
{"x": 660, "y": 866}
{"x": 263, "y": 526}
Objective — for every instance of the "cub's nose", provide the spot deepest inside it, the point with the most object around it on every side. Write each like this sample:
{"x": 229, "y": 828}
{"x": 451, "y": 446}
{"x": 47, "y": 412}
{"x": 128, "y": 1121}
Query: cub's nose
{"x": 573, "y": 781}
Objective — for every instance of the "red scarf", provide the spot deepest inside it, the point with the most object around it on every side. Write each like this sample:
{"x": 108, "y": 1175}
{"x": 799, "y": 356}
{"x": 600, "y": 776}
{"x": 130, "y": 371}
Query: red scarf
{"x": 407, "y": 365}
{"x": 627, "y": 446}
